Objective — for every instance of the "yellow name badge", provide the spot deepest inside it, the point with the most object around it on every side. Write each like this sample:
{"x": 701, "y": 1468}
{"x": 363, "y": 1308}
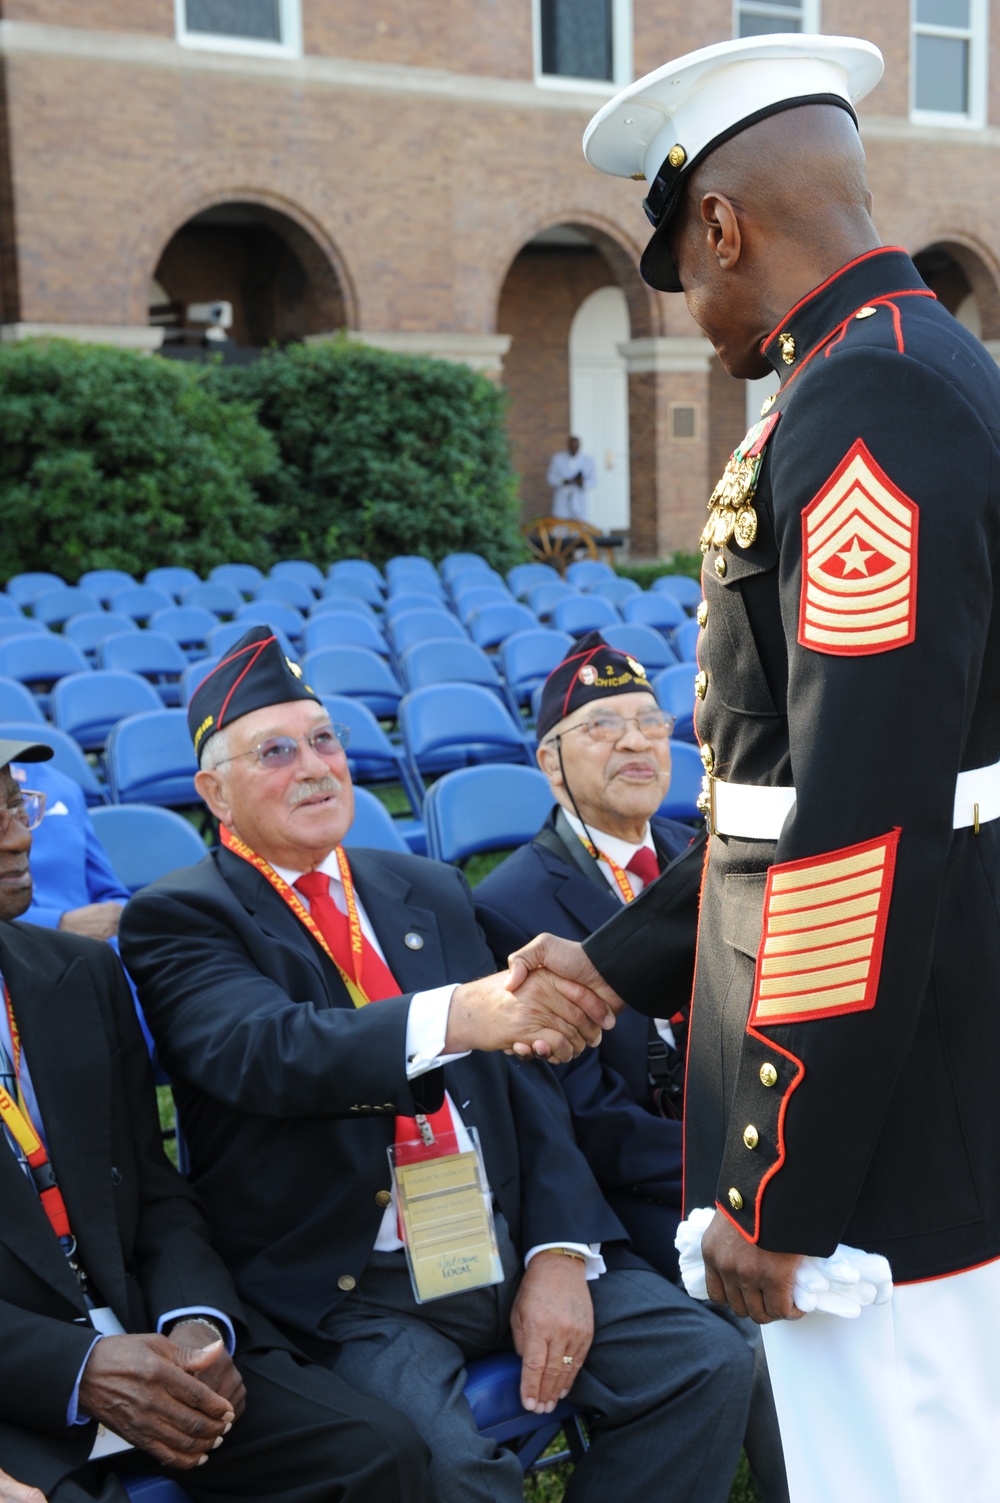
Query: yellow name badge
{"x": 447, "y": 1219}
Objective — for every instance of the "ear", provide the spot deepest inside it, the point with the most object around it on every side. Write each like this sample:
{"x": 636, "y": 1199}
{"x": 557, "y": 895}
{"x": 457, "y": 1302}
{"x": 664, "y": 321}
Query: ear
{"x": 725, "y": 239}
{"x": 211, "y": 788}
{"x": 548, "y": 760}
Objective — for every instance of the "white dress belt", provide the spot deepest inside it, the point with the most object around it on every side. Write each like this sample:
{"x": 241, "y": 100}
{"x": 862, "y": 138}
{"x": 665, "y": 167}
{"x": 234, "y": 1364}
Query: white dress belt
{"x": 750, "y": 812}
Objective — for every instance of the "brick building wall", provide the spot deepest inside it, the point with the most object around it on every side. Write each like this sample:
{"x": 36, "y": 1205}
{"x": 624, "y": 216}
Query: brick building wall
{"x": 405, "y": 164}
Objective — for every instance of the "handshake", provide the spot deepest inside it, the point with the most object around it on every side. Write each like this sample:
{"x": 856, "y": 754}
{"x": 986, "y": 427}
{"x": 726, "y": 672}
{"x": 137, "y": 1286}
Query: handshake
{"x": 551, "y": 1003}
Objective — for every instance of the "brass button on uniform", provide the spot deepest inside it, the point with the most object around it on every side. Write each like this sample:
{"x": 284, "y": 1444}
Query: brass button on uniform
{"x": 707, "y": 756}
{"x": 701, "y": 684}
{"x": 768, "y": 1075}
{"x": 736, "y": 1200}
{"x": 865, "y": 312}
{"x": 347, "y": 1282}
{"x": 701, "y": 615}
{"x": 751, "y": 1137}
{"x": 383, "y": 1198}
{"x": 720, "y": 566}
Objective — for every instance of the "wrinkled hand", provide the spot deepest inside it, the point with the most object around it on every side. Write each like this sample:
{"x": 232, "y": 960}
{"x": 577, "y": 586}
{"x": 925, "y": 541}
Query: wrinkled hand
{"x": 568, "y": 963}
{"x": 557, "y": 1018}
{"x": 222, "y": 1375}
{"x": 18, "y": 1492}
{"x": 95, "y": 920}
{"x": 747, "y": 1278}
{"x": 149, "y": 1390}
{"x": 552, "y": 1318}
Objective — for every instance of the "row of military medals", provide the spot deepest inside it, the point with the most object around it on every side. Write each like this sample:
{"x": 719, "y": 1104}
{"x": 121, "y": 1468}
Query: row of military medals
{"x": 730, "y": 509}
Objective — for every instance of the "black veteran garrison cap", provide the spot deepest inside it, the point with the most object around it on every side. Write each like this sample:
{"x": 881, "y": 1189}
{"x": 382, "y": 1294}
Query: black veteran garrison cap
{"x": 590, "y": 670}
{"x": 661, "y": 127}
{"x": 254, "y": 673}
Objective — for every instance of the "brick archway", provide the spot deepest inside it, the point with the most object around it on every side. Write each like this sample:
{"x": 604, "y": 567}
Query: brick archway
{"x": 956, "y": 267}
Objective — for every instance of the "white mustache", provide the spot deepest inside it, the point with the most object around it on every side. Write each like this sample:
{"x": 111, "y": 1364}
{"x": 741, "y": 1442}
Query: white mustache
{"x": 309, "y": 789}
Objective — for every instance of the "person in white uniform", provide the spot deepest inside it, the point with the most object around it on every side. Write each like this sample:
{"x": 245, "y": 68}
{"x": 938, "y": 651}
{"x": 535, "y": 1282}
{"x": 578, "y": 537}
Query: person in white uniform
{"x": 572, "y": 476}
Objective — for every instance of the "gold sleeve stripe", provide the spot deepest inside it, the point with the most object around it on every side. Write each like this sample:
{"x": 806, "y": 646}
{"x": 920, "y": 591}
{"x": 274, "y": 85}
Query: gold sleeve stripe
{"x": 823, "y": 928}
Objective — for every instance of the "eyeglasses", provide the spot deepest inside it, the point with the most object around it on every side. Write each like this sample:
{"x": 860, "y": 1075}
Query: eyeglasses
{"x": 28, "y": 811}
{"x": 281, "y": 751}
{"x": 653, "y": 724}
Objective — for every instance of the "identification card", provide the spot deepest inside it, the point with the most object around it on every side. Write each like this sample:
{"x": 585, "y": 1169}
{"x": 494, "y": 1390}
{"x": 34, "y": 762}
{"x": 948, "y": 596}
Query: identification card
{"x": 446, "y": 1216}
{"x": 107, "y": 1443}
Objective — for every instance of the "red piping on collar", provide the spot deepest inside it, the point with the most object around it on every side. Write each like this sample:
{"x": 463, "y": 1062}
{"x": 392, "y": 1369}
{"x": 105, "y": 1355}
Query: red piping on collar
{"x": 824, "y": 343}
{"x": 880, "y": 250}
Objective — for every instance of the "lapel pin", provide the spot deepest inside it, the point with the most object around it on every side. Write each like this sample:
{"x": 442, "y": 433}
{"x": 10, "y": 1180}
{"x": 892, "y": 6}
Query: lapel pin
{"x": 413, "y": 941}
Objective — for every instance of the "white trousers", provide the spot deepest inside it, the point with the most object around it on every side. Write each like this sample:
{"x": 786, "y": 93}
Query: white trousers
{"x": 901, "y": 1405}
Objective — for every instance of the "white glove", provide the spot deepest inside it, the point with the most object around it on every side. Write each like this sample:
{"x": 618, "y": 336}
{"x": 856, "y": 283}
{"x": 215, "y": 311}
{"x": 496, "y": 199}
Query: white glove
{"x": 839, "y": 1285}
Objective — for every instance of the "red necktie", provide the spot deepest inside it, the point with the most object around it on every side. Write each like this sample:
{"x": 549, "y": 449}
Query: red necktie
{"x": 645, "y": 865}
{"x": 376, "y": 979}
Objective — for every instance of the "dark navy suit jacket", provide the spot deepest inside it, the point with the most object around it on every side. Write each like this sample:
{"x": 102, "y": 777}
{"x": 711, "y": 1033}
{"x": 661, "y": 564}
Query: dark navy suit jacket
{"x": 634, "y": 1152}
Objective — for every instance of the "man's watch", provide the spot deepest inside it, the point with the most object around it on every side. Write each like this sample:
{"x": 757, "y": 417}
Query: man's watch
{"x": 202, "y": 1320}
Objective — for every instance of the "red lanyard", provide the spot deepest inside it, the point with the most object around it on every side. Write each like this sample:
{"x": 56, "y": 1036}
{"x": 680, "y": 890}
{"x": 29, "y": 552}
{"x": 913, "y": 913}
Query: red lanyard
{"x": 618, "y": 872}
{"x": 17, "y": 1121}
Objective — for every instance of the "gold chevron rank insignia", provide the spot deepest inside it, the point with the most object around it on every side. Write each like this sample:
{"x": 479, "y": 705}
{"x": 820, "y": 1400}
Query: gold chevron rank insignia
{"x": 859, "y": 562}
{"x": 824, "y": 923}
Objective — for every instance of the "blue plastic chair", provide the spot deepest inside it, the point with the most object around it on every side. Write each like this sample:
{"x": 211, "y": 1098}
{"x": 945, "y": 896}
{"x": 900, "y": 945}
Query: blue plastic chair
{"x": 544, "y": 597}
{"x": 106, "y": 582}
{"x": 524, "y": 577}
{"x": 484, "y": 809}
{"x": 342, "y": 596}
{"x": 88, "y": 631}
{"x": 24, "y": 588}
{"x": 87, "y": 705}
{"x": 150, "y": 760}
{"x": 445, "y": 660}
{"x": 356, "y": 672}
{"x": 493, "y": 624}
{"x": 361, "y": 586}
{"x": 528, "y": 657}
{"x": 355, "y": 568}
{"x": 616, "y": 590}
{"x": 285, "y": 592}
{"x": 414, "y": 600}
{"x": 685, "y": 641}
{"x": 243, "y": 578}
{"x": 585, "y": 613}
{"x": 195, "y": 673}
{"x": 415, "y": 582}
{"x": 586, "y": 573}
{"x": 140, "y": 602}
{"x": 57, "y": 606}
{"x": 493, "y": 1389}
{"x": 457, "y": 725}
{"x": 24, "y": 626}
{"x": 467, "y": 604}
{"x": 659, "y": 611}
{"x": 275, "y": 614}
{"x": 412, "y": 565}
{"x": 18, "y": 703}
{"x": 344, "y": 629}
{"x": 653, "y": 651}
{"x": 686, "y": 775}
{"x": 173, "y": 579}
{"x": 187, "y": 625}
{"x": 421, "y": 626}
{"x": 303, "y": 571}
{"x": 67, "y": 756}
{"x": 228, "y": 633}
{"x": 681, "y": 587}
{"x": 10, "y": 610}
{"x": 144, "y": 842}
{"x": 373, "y": 758}
{"x": 38, "y": 661}
{"x": 149, "y": 653}
{"x": 674, "y": 690}
{"x": 215, "y": 596}
{"x": 454, "y": 564}
{"x": 373, "y": 825}
{"x": 476, "y": 579}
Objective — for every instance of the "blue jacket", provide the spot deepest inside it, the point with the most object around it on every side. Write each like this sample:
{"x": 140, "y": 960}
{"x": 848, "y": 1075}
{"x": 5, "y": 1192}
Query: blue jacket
{"x": 635, "y": 1153}
{"x": 69, "y": 867}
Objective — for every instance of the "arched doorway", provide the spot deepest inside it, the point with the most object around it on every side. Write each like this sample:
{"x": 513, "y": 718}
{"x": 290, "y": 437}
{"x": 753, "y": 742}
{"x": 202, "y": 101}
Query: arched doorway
{"x": 598, "y": 401}
{"x": 275, "y": 277}
{"x": 964, "y": 284}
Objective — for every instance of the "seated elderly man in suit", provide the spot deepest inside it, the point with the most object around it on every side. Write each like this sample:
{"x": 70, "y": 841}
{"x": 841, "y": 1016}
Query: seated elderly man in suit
{"x": 604, "y": 745}
{"x": 118, "y": 1322}
{"x": 397, "y": 1194}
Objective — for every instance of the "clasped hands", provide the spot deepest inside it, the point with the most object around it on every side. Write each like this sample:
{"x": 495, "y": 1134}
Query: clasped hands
{"x": 174, "y": 1397}
{"x": 551, "y": 1003}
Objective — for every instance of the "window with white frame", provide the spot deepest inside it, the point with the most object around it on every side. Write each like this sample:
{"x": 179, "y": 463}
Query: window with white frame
{"x": 948, "y": 61}
{"x": 583, "y": 42}
{"x": 754, "y": 18}
{"x": 268, "y": 28}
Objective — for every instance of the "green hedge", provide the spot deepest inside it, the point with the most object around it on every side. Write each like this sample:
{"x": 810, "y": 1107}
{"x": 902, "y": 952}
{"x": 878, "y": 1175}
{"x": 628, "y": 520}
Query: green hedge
{"x": 678, "y": 563}
{"x": 112, "y": 460}
{"x": 382, "y": 454}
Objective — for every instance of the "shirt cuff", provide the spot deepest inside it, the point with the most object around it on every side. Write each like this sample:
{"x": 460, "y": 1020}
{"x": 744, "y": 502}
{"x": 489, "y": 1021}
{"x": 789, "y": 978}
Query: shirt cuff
{"x": 426, "y": 1027}
{"x": 192, "y": 1313}
{"x": 590, "y": 1252}
{"x": 73, "y": 1415}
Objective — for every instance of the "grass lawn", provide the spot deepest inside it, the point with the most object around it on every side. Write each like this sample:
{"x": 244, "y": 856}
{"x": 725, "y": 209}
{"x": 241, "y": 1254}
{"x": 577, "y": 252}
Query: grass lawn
{"x": 548, "y": 1487}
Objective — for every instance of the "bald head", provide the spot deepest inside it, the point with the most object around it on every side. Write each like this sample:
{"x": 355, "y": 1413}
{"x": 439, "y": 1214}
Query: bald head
{"x": 776, "y": 210}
